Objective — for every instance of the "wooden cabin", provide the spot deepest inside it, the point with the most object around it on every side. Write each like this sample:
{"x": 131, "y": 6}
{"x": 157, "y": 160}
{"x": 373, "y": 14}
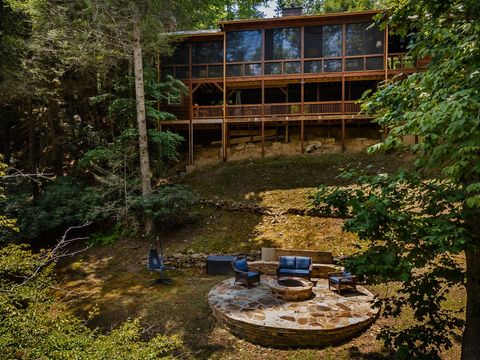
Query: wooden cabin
{"x": 253, "y": 76}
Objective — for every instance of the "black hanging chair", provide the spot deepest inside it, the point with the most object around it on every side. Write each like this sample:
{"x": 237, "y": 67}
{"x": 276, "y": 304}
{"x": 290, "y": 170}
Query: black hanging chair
{"x": 155, "y": 263}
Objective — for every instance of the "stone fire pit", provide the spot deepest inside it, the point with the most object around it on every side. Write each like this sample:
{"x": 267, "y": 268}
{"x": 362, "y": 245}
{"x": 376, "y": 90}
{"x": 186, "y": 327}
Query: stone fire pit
{"x": 258, "y": 316}
{"x": 291, "y": 288}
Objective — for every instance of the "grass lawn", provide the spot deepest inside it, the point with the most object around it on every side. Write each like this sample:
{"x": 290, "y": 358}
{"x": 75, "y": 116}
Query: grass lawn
{"x": 108, "y": 284}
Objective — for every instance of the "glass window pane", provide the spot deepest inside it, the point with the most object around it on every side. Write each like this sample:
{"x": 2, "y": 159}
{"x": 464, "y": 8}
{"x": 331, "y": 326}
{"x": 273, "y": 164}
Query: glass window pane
{"x": 363, "y": 39}
{"x": 199, "y": 71}
{"x": 252, "y": 43}
{"x": 215, "y": 71}
{"x": 373, "y": 40}
{"x": 314, "y": 66}
{"x": 332, "y": 65}
{"x": 207, "y": 52}
{"x": 282, "y": 43}
{"x": 273, "y": 68}
{"x": 332, "y": 40}
{"x": 313, "y": 41}
{"x": 292, "y": 67}
{"x": 215, "y": 52}
{"x": 355, "y": 39}
{"x": 253, "y": 69}
{"x": 180, "y": 54}
{"x": 167, "y": 71}
{"x": 181, "y": 72}
{"x": 235, "y": 70}
{"x": 354, "y": 64}
{"x": 244, "y": 45}
{"x": 374, "y": 63}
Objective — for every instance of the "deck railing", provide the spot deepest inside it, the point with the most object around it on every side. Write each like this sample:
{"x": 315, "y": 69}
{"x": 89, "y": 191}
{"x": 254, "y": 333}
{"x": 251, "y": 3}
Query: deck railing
{"x": 276, "y": 110}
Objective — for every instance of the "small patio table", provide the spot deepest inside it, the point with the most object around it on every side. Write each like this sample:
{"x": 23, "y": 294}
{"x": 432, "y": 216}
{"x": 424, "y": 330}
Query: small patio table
{"x": 220, "y": 265}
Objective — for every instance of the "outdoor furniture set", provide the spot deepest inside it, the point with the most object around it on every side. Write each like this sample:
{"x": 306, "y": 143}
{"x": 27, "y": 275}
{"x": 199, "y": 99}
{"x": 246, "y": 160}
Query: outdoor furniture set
{"x": 293, "y": 267}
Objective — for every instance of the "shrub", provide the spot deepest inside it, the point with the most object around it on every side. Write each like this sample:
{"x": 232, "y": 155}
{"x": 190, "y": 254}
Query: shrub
{"x": 169, "y": 205}
{"x": 63, "y": 202}
{"x": 32, "y": 326}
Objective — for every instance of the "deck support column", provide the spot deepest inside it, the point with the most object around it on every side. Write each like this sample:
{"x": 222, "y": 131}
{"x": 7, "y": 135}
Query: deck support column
{"x": 190, "y": 126}
{"x": 343, "y": 113}
{"x": 224, "y": 118}
{"x": 302, "y": 132}
{"x": 302, "y": 118}
{"x": 263, "y": 118}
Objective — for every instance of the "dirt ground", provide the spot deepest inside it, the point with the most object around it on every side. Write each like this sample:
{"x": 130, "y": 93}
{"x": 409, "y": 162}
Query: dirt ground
{"x": 109, "y": 284}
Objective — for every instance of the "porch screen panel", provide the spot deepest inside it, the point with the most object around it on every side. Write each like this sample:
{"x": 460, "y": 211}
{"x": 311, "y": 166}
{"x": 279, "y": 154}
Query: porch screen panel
{"x": 313, "y": 42}
{"x": 244, "y": 46}
{"x": 361, "y": 39}
{"x": 178, "y": 57}
{"x": 282, "y": 43}
{"x": 332, "y": 40}
{"x": 207, "y": 52}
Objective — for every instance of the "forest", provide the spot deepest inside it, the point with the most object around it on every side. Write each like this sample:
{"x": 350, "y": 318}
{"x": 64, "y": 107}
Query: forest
{"x": 84, "y": 161}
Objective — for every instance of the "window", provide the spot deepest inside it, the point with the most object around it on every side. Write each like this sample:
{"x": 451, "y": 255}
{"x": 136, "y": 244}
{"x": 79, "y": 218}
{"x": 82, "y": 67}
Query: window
{"x": 199, "y": 72}
{"x": 244, "y": 46}
{"x": 215, "y": 71}
{"x": 363, "y": 39}
{"x": 313, "y": 66}
{"x": 167, "y": 71}
{"x": 178, "y": 57}
{"x": 207, "y": 52}
{"x": 332, "y": 65}
{"x": 292, "y": 67}
{"x": 273, "y": 68}
{"x": 332, "y": 40}
{"x": 323, "y": 41}
{"x": 253, "y": 69}
{"x": 282, "y": 43}
{"x": 181, "y": 72}
{"x": 235, "y": 70}
{"x": 313, "y": 41}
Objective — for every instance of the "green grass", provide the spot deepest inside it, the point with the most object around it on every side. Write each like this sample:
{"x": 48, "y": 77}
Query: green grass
{"x": 113, "y": 279}
{"x": 285, "y": 181}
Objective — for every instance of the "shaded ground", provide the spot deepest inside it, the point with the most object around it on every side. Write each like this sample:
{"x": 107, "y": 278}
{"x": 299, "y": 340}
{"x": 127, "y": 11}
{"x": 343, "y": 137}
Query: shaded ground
{"x": 109, "y": 284}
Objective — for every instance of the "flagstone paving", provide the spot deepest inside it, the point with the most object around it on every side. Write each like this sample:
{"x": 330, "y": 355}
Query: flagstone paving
{"x": 258, "y": 316}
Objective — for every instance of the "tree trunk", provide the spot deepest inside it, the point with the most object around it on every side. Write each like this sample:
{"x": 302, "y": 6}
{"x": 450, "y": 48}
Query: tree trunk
{"x": 141, "y": 117}
{"x": 471, "y": 334}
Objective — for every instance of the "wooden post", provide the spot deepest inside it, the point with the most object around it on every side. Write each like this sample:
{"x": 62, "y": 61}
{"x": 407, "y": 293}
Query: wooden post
{"x": 343, "y": 112}
{"x": 190, "y": 108}
{"x": 224, "y": 119}
{"x": 302, "y": 118}
{"x": 190, "y": 126}
{"x": 263, "y": 118}
{"x": 385, "y": 129}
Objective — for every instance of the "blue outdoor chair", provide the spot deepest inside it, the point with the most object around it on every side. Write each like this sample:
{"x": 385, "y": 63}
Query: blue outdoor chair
{"x": 155, "y": 263}
{"x": 243, "y": 275}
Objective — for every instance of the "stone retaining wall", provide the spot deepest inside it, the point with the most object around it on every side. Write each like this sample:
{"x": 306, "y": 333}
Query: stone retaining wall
{"x": 199, "y": 260}
{"x": 290, "y": 338}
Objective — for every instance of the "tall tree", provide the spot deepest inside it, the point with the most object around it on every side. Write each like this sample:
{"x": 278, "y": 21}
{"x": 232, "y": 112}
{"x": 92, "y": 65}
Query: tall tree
{"x": 412, "y": 225}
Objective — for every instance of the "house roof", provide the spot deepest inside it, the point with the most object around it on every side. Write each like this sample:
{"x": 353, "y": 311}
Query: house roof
{"x": 280, "y": 19}
{"x": 275, "y": 22}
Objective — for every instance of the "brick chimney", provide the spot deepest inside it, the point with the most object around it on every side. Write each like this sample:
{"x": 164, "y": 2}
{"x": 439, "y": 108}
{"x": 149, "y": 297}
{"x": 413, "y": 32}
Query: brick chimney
{"x": 292, "y": 11}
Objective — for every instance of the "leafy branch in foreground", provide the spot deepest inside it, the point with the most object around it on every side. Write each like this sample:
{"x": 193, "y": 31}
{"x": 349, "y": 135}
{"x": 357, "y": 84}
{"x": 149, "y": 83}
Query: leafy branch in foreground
{"x": 411, "y": 228}
{"x": 34, "y": 324}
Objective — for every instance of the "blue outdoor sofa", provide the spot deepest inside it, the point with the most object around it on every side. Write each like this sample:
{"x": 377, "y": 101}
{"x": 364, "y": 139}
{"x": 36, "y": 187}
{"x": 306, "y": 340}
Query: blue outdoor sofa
{"x": 294, "y": 266}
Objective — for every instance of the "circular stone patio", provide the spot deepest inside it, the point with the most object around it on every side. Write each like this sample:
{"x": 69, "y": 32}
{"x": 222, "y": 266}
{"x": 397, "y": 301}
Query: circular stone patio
{"x": 257, "y": 316}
